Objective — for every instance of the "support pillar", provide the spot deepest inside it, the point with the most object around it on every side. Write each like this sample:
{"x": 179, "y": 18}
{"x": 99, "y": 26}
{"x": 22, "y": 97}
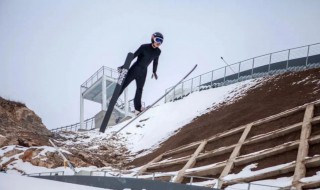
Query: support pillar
{"x": 81, "y": 110}
{"x": 104, "y": 94}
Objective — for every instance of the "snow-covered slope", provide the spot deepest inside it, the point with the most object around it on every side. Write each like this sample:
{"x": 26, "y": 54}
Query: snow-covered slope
{"x": 151, "y": 129}
{"x": 164, "y": 120}
{"x": 16, "y": 182}
{"x": 146, "y": 133}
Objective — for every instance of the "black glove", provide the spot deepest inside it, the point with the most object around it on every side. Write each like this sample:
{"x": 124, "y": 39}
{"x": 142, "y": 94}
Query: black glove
{"x": 120, "y": 69}
{"x": 155, "y": 76}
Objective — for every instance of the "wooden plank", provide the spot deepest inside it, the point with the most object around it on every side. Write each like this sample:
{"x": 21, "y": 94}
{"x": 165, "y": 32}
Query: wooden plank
{"x": 227, "y": 133}
{"x": 312, "y": 162}
{"x": 245, "y": 159}
{"x": 182, "y": 148}
{"x": 267, "y": 153}
{"x": 262, "y": 176}
{"x": 169, "y": 162}
{"x": 234, "y": 154}
{"x": 236, "y": 130}
{"x": 315, "y": 120}
{"x": 314, "y": 140}
{"x": 273, "y": 134}
{"x": 216, "y": 152}
{"x": 300, "y": 170}
{"x": 205, "y": 170}
{"x": 179, "y": 177}
{"x": 240, "y": 160}
{"x": 266, "y": 175}
{"x": 145, "y": 167}
{"x": 311, "y": 185}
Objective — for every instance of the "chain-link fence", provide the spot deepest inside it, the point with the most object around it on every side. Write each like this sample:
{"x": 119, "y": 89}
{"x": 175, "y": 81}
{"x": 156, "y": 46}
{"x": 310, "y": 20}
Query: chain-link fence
{"x": 295, "y": 59}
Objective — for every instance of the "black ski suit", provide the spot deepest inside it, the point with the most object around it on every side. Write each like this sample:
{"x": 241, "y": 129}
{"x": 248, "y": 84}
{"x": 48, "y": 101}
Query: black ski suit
{"x": 138, "y": 71}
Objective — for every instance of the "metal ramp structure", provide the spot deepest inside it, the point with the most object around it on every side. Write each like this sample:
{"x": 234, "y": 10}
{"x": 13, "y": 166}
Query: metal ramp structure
{"x": 99, "y": 88}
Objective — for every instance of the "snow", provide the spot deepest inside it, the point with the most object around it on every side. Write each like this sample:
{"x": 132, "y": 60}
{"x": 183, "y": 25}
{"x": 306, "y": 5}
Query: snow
{"x": 155, "y": 126}
{"x": 272, "y": 184}
{"x": 247, "y": 171}
{"x": 312, "y": 178}
{"x": 16, "y": 182}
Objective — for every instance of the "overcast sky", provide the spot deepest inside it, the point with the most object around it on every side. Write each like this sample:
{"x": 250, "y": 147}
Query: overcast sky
{"x": 48, "y": 48}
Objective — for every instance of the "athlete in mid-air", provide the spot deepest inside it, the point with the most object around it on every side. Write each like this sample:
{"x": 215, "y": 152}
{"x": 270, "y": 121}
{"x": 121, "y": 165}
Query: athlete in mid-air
{"x": 138, "y": 71}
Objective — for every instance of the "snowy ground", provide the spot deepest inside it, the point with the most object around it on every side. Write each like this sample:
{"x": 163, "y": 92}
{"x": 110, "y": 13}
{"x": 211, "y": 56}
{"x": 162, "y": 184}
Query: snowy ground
{"x": 9, "y": 182}
{"x": 164, "y": 120}
{"x": 145, "y": 134}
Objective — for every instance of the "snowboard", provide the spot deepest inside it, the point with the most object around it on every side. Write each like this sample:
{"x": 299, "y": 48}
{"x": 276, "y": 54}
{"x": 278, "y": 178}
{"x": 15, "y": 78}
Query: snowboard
{"x": 144, "y": 111}
{"x": 116, "y": 92}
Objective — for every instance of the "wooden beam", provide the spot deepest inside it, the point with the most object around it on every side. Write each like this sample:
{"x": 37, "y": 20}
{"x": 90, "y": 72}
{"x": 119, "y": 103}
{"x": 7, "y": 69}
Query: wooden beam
{"x": 206, "y": 170}
{"x": 179, "y": 177}
{"x": 315, "y": 120}
{"x": 314, "y": 139}
{"x": 215, "y": 169}
{"x": 311, "y": 185}
{"x": 287, "y": 169}
{"x": 240, "y": 128}
{"x": 226, "y": 133}
{"x": 266, "y": 175}
{"x": 234, "y": 154}
{"x": 216, "y": 152}
{"x": 145, "y": 167}
{"x": 300, "y": 170}
{"x": 182, "y": 148}
{"x": 273, "y": 134}
{"x": 267, "y": 153}
{"x": 169, "y": 162}
{"x": 312, "y": 162}
{"x": 240, "y": 160}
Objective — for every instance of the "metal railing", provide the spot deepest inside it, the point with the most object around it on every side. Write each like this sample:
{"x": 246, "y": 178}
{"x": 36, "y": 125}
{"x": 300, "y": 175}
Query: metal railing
{"x": 294, "y": 59}
{"x": 97, "y": 75}
{"x": 256, "y": 186}
{"x": 155, "y": 176}
{"x": 89, "y": 124}
{"x": 47, "y": 173}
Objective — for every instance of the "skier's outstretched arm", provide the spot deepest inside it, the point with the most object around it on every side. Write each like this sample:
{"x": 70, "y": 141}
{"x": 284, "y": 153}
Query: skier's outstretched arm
{"x": 155, "y": 66}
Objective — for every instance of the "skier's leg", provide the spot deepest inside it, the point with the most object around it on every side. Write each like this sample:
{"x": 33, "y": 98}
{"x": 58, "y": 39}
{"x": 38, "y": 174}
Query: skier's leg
{"x": 140, "y": 80}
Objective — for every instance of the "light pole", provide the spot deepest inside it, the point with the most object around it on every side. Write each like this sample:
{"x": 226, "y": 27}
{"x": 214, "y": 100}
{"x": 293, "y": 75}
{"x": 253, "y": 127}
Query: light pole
{"x": 227, "y": 65}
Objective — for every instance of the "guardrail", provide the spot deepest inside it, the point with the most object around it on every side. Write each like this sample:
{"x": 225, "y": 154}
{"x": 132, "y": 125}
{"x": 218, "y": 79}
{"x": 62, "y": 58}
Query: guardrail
{"x": 47, "y": 173}
{"x": 89, "y": 124}
{"x": 97, "y": 75}
{"x": 153, "y": 176}
{"x": 294, "y": 59}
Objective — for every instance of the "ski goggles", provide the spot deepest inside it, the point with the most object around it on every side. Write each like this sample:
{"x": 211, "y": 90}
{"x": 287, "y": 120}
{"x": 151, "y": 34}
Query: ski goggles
{"x": 158, "y": 40}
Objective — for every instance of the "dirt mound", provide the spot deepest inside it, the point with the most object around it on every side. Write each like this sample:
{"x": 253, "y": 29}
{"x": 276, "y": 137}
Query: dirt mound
{"x": 273, "y": 95}
{"x": 21, "y": 126}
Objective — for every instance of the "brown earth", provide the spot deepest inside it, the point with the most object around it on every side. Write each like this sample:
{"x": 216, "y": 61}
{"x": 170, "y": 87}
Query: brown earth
{"x": 271, "y": 96}
{"x": 21, "y": 126}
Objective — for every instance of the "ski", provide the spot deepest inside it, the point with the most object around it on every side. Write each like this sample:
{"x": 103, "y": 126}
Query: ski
{"x": 62, "y": 155}
{"x": 116, "y": 92}
{"x": 144, "y": 111}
